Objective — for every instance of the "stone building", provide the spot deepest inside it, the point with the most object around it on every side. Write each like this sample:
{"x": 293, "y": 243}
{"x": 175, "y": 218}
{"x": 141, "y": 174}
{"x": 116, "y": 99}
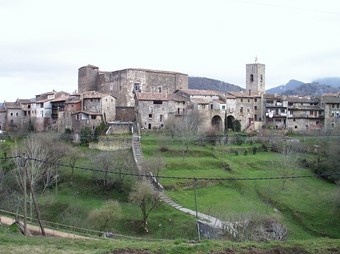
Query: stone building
{"x": 305, "y": 114}
{"x": 123, "y": 84}
{"x": 153, "y": 109}
{"x": 255, "y": 78}
{"x": 248, "y": 111}
{"x": 211, "y": 105}
{"x": 331, "y": 106}
{"x": 276, "y": 111}
{"x": 15, "y": 116}
{"x": 95, "y": 108}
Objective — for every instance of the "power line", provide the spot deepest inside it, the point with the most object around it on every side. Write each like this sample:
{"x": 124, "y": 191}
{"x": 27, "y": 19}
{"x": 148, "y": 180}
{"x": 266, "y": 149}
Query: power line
{"x": 186, "y": 178}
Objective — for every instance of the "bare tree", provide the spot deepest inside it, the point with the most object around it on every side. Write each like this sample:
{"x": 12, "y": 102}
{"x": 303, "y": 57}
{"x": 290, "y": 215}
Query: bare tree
{"x": 155, "y": 164}
{"x": 72, "y": 157}
{"x": 185, "y": 127}
{"x": 105, "y": 163}
{"x": 287, "y": 162}
{"x": 43, "y": 152}
{"x": 146, "y": 197}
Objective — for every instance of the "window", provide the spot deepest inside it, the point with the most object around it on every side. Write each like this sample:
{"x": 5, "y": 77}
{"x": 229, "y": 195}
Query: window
{"x": 248, "y": 100}
{"x": 255, "y": 99}
{"x": 136, "y": 87}
{"x": 157, "y": 102}
{"x": 159, "y": 89}
{"x": 93, "y": 117}
{"x": 211, "y": 106}
{"x": 255, "y": 107}
{"x": 241, "y": 100}
{"x": 149, "y": 126}
{"x": 161, "y": 118}
{"x": 251, "y": 78}
{"x": 150, "y": 115}
{"x": 295, "y": 126}
{"x": 11, "y": 114}
{"x": 241, "y": 110}
{"x": 223, "y": 107}
{"x": 261, "y": 78}
{"x": 16, "y": 113}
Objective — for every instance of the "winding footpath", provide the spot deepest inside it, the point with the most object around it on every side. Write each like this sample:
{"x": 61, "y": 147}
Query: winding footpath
{"x": 49, "y": 232}
{"x": 203, "y": 218}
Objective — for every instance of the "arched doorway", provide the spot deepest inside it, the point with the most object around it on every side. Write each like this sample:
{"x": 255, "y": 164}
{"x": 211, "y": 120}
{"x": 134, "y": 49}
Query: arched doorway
{"x": 231, "y": 123}
{"x": 216, "y": 122}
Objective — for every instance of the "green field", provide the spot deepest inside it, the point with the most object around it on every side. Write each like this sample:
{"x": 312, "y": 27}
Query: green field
{"x": 306, "y": 206}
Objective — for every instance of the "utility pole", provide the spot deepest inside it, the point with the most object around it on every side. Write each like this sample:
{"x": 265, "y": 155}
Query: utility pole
{"x": 22, "y": 163}
{"x": 198, "y": 225}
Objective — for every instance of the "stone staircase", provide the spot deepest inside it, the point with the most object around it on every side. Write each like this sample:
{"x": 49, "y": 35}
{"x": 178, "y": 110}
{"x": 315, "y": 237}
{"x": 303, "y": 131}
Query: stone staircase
{"x": 214, "y": 223}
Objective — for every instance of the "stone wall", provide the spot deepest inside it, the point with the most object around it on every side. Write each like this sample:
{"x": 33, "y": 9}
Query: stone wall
{"x": 87, "y": 78}
{"x": 111, "y": 143}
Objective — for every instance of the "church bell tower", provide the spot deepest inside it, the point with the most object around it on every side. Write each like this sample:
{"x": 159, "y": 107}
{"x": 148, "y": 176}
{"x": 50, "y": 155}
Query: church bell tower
{"x": 255, "y": 79}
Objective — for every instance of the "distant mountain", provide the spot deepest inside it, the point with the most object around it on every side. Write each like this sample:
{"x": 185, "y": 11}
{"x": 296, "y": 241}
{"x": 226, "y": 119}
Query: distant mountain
{"x": 212, "y": 84}
{"x": 295, "y": 87}
{"x": 291, "y": 85}
{"x": 335, "y": 82}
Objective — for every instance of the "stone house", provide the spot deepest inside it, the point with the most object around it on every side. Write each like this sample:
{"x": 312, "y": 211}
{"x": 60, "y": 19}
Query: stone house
{"x": 305, "y": 114}
{"x": 331, "y": 106}
{"x": 123, "y": 84}
{"x": 248, "y": 110}
{"x": 211, "y": 105}
{"x": 15, "y": 116}
{"x": 3, "y": 114}
{"x": 276, "y": 111}
{"x": 46, "y": 108}
{"x": 153, "y": 109}
{"x": 96, "y": 108}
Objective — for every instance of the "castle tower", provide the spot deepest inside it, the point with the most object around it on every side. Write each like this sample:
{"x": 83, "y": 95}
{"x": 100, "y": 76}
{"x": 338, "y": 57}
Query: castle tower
{"x": 255, "y": 79}
{"x": 87, "y": 78}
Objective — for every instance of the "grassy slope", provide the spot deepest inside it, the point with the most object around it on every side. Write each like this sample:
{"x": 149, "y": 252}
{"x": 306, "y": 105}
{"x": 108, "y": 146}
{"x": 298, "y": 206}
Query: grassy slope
{"x": 305, "y": 205}
{"x": 14, "y": 243}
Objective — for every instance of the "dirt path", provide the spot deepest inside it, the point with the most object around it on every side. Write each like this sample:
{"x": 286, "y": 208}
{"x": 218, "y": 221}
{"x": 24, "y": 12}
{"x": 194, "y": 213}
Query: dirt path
{"x": 50, "y": 232}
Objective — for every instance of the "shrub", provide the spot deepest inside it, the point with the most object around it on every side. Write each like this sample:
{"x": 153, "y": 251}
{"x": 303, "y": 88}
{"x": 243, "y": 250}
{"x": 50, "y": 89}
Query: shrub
{"x": 254, "y": 150}
{"x": 103, "y": 218}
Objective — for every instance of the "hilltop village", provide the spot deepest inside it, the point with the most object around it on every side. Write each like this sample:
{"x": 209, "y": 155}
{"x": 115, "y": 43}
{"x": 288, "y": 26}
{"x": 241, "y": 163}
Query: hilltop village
{"x": 150, "y": 97}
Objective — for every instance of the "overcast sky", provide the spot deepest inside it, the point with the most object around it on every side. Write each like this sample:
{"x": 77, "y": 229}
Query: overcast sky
{"x": 44, "y": 42}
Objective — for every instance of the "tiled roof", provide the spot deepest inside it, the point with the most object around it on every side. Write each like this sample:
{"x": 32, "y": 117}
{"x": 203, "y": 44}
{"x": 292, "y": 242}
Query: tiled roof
{"x": 12, "y": 105}
{"x": 94, "y": 94}
{"x": 150, "y": 96}
{"x": 301, "y": 99}
{"x": 330, "y": 99}
{"x": 244, "y": 95}
{"x": 220, "y": 101}
{"x": 200, "y": 101}
{"x": 201, "y": 92}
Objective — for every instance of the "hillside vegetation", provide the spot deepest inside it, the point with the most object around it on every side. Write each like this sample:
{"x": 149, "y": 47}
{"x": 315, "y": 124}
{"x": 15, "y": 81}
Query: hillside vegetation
{"x": 245, "y": 180}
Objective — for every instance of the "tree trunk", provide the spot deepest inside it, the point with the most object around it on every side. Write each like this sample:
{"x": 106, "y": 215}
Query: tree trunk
{"x": 37, "y": 210}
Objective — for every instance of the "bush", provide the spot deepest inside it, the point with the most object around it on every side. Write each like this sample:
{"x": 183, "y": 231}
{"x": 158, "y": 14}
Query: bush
{"x": 104, "y": 217}
{"x": 254, "y": 150}
{"x": 245, "y": 152}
